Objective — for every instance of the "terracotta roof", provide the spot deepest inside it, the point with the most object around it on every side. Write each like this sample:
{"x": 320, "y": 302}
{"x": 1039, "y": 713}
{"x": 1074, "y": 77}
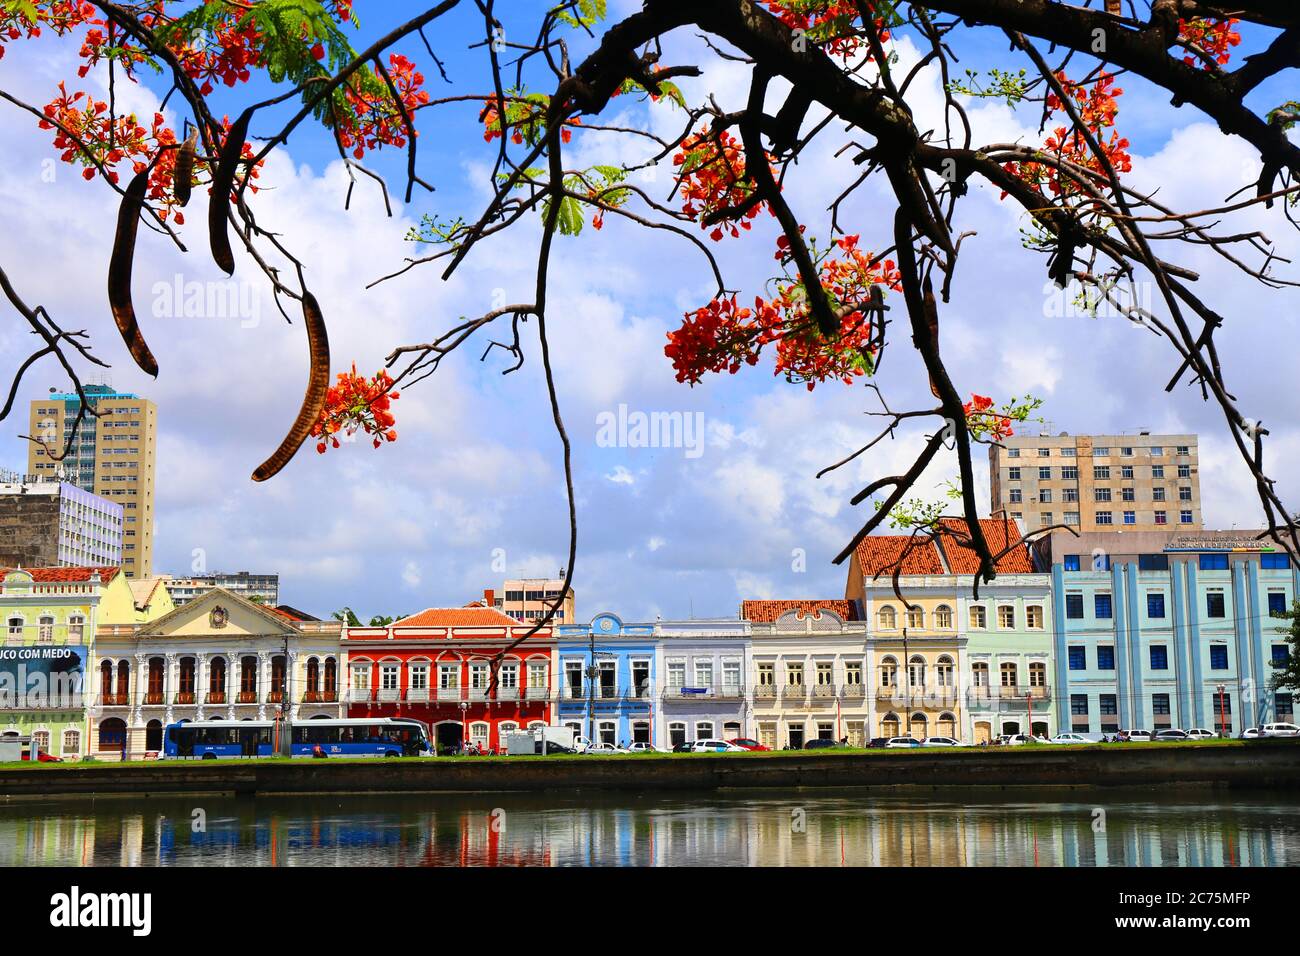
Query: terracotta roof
{"x": 458, "y": 617}
{"x": 767, "y": 612}
{"x": 143, "y": 591}
{"x": 877, "y": 554}
{"x": 69, "y": 575}
{"x": 292, "y": 613}
{"x": 998, "y": 532}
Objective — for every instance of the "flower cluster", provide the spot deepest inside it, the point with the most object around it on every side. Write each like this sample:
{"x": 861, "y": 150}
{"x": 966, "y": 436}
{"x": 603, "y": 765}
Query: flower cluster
{"x": 723, "y": 336}
{"x": 987, "y": 422}
{"x": 713, "y": 178}
{"x": 376, "y": 119}
{"x": 355, "y": 404}
{"x": 828, "y": 23}
{"x": 1215, "y": 37}
{"x": 525, "y": 118}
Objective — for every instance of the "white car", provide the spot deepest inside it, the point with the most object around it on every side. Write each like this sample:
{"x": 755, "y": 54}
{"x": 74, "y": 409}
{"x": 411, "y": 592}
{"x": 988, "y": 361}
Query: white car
{"x": 1279, "y": 730}
{"x": 1171, "y": 735}
{"x": 1016, "y": 740}
{"x": 641, "y": 747}
{"x": 715, "y": 747}
{"x": 1136, "y": 736}
{"x": 940, "y": 742}
{"x": 1250, "y": 733}
{"x": 1071, "y": 738}
{"x": 894, "y": 742}
{"x": 605, "y": 749}
{"x": 1200, "y": 733}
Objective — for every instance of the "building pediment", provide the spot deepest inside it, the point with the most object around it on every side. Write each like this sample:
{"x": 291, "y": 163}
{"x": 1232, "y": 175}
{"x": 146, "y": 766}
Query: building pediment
{"x": 218, "y": 614}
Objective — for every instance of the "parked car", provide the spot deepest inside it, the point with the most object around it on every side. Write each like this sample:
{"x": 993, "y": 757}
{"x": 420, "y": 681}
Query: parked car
{"x": 642, "y": 747}
{"x": 1279, "y": 730}
{"x": 748, "y": 743}
{"x": 581, "y": 744}
{"x": 685, "y": 747}
{"x": 895, "y": 742}
{"x": 1134, "y": 736}
{"x": 552, "y": 749}
{"x": 605, "y": 749}
{"x": 820, "y": 743}
{"x": 941, "y": 742}
{"x": 879, "y": 743}
{"x": 1071, "y": 738}
{"x": 1171, "y": 734}
{"x": 715, "y": 746}
{"x": 1250, "y": 733}
{"x": 1200, "y": 733}
{"x": 1018, "y": 740}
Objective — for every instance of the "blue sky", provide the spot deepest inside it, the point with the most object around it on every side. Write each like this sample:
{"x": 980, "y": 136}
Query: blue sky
{"x": 474, "y": 479}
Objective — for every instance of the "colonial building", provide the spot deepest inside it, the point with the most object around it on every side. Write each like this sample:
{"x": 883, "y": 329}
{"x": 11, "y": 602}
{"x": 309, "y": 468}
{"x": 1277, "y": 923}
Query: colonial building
{"x": 615, "y": 705}
{"x": 703, "y": 666}
{"x": 436, "y": 666}
{"x": 810, "y": 667}
{"x": 219, "y": 657}
{"x": 50, "y": 616}
{"x": 1169, "y": 630}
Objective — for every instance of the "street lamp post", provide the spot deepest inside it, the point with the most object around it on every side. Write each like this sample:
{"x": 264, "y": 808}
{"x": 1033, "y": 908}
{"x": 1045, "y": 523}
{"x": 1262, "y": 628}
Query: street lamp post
{"x": 1222, "y": 715}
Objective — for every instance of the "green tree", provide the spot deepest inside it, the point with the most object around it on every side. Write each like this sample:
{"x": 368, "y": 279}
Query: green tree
{"x": 1287, "y": 672}
{"x": 347, "y": 616}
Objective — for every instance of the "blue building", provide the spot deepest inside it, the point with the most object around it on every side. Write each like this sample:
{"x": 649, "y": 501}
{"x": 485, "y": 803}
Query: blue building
{"x": 607, "y": 678}
{"x": 1157, "y": 630}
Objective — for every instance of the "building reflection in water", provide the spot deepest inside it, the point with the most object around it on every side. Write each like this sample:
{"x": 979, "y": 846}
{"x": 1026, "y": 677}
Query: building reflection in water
{"x": 804, "y": 829}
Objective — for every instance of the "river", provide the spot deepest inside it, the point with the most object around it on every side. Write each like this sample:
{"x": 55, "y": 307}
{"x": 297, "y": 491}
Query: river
{"x": 754, "y": 828}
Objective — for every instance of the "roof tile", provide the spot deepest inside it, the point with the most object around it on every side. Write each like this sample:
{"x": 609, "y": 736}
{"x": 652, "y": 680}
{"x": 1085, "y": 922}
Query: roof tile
{"x": 767, "y": 612}
{"x": 999, "y": 533}
{"x": 877, "y": 554}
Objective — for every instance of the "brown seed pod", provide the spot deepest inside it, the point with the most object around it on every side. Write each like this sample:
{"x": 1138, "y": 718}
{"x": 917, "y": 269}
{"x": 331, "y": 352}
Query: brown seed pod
{"x": 119, "y": 274}
{"x": 183, "y": 174}
{"x": 313, "y": 403}
{"x": 223, "y": 180}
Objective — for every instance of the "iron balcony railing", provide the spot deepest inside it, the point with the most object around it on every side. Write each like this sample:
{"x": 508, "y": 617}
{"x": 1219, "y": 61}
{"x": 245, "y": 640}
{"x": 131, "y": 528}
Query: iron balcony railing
{"x": 823, "y": 690}
{"x": 537, "y": 693}
{"x": 765, "y": 691}
{"x": 389, "y": 695}
{"x": 448, "y": 694}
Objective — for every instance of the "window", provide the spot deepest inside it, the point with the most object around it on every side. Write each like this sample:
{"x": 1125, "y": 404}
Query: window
{"x": 1183, "y": 450}
{"x": 1281, "y": 703}
{"x": 420, "y": 676}
{"x": 1079, "y": 705}
{"x": 825, "y": 674}
{"x": 731, "y": 673}
{"x": 1109, "y": 704}
{"x": 943, "y": 617}
{"x": 1126, "y": 451}
{"x": 1161, "y": 517}
{"x": 1069, "y": 495}
{"x": 1105, "y": 657}
{"x": 1185, "y": 517}
{"x": 1015, "y": 496}
{"x": 1007, "y": 674}
{"x": 1047, "y": 452}
{"x": 978, "y": 616}
{"x": 853, "y": 674}
{"x": 888, "y": 619}
{"x": 1157, "y": 451}
{"x": 1013, "y": 474}
{"x": 1126, "y": 471}
{"x": 1045, "y": 474}
{"x": 1013, "y": 452}
{"x": 1185, "y": 471}
{"x": 1157, "y": 494}
{"x": 1157, "y": 471}
{"x": 1045, "y": 518}
{"x": 1280, "y": 654}
{"x": 76, "y": 629}
{"x": 15, "y": 629}
{"x": 1184, "y": 493}
{"x": 1153, "y": 562}
{"x": 980, "y": 677}
{"x": 1078, "y": 657}
{"x": 676, "y": 673}
{"x": 916, "y": 671}
{"x": 72, "y": 742}
{"x": 1218, "y": 657}
{"x": 1101, "y": 472}
{"x": 1034, "y": 617}
{"x": 1101, "y": 494}
{"x": 704, "y": 673}
{"x": 1006, "y": 615}
{"x": 1276, "y": 602}
{"x": 794, "y": 673}
{"x": 1160, "y": 704}
{"x": 45, "y": 631}
{"x": 1127, "y": 494}
{"x": 1130, "y": 517}
{"x": 943, "y": 671}
{"x": 1103, "y": 517}
{"x": 1101, "y": 607}
{"x": 1274, "y": 562}
{"x": 1074, "y": 606}
{"x": 1159, "y": 657}
{"x": 1214, "y": 606}
{"x": 1155, "y": 604}
{"x": 888, "y": 672}
{"x": 1070, "y": 472}
{"x": 915, "y": 617}
{"x": 1065, "y": 452}
{"x": 1101, "y": 451}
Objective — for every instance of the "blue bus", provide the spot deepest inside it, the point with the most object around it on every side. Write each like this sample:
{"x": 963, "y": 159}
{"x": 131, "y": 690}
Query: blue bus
{"x": 356, "y": 737}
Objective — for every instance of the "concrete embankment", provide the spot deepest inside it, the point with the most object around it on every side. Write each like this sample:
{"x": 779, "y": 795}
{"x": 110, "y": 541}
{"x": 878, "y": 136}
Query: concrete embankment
{"x": 1264, "y": 764}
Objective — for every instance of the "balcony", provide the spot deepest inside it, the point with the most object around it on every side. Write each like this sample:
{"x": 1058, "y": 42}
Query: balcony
{"x": 607, "y": 692}
{"x": 537, "y": 693}
{"x": 389, "y": 695}
{"x": 154, "y": 697}
{"x": 449, "y": 695}
{"x": 478, "y": 693}
{"x": 765, "y": 692}
{"x": 275, "y": 696}
{"x": 823, "y": 691}
{"x": 507, "y": 693}
{"x": 730, "y": 692}
{"x": 112, "y": 700}
{"x": 794, "y": 692}
{"x": 246, "y": 697}
{"x": 683, "y": 692}
{"x": 853, "y": 691}
{"x": 185, "y": 697}
{"x": 359, "y": 695}
{"x": 215, "y": 697}
{"x": 417, "y": 695}
{"x": 320, "y": 697}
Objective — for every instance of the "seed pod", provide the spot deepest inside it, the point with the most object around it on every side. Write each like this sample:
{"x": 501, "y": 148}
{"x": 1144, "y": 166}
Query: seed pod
{"x": 223, "y": 179}
{"x": 119, "y": 274}
{"x": 313, "y": 403}
{"x": 183, "y": 174}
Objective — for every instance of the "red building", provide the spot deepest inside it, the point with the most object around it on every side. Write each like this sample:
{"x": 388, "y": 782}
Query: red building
{"x": 435, "y": 666}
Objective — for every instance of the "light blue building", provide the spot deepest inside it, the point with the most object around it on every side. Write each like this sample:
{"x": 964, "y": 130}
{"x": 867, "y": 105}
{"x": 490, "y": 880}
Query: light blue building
{"x": 1157, "y": 630}
{"x": 615, "y": 702}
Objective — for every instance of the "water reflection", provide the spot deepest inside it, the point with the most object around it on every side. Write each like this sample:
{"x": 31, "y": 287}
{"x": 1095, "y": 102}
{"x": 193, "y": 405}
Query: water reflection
{"x": 805, "y": 828}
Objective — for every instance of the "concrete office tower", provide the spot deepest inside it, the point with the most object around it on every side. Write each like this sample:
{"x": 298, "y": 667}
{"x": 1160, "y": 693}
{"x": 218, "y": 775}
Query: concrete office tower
{"x": 47, "y": 524}
{"x": 113, "y": 456}
{"x": 526, "y": 599}
{"x": 1139, "y": 482}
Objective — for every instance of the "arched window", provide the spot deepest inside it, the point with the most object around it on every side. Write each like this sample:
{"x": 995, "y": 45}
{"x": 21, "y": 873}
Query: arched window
{"x": 41, "y": 741}
{"x": 76, "y": 629}
{"x": 947, "y": 725}
{"x": 704, "y": 730}
{"x": 943, "y": 617}
{"x": 916, "y": 671}
{"x": 313, "y": 679}
{"x": 506, "y": 727}
{"x": 188, "y": 677}
{"x": 15, "y": 629}
{"x": 1006, "y": 615}
{"x": 112, "y": 734}
{"x": 331, "y": 688}
{"x": 606, "y": 731}
{"x": 123, "y": 680}
{"x": 888, "y": 672}
{"x": 153, "y": 735}
{"x": 943, "y": 671}
{"x": 915, "y": 617}
{"x": 247, "y": 680}
{"x": 1034, "y": 617}
{"x": 1037, "y": 677}
{"x": 534, "y": 724}
{"x": 106, "y": 682}
{"x": 918, "y": 726}
{"x": 979, "y": 673}
{"x": 478, "y": 732}
{"x": 676, "y": 733}
{"x": 978, "y": 616}
{"x": 277, "y": 679}
{"x": 45, "y": 630}
{"x": 157, "y": 672}
{"x": 217, "y": 681}
{"x": 887, "y": 618}
{"x": 889, "y": 725}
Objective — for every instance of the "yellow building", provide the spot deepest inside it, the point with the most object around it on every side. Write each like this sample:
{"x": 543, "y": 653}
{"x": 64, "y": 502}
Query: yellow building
{"x": 217, "y": 657}
{"x": 113, "y": 455}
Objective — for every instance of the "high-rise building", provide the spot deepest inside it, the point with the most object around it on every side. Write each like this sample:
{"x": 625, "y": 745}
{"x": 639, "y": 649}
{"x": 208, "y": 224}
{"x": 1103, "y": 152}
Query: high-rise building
{"x": 113, "y": 456}
{"x": 46, "y": 523}
{"x": 261, "y": 589}
{"x": 527, "y": 599}
{"x": 1139, "y": 482}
